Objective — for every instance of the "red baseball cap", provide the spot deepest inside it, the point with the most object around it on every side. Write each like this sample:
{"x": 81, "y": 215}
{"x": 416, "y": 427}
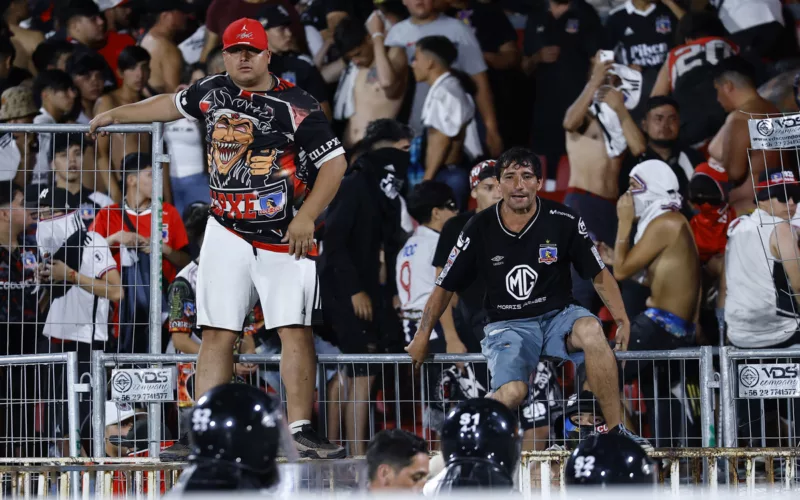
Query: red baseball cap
{"x": 245, "y": 31}
{"x": 480, "y": 172}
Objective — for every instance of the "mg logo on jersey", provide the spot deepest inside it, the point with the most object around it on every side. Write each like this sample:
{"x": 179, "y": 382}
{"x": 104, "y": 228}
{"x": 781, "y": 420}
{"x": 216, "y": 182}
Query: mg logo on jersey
{"x": 520, "y": 281}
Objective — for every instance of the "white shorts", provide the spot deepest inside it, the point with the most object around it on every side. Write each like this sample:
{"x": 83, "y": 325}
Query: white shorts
{"x": 233, "y": 274}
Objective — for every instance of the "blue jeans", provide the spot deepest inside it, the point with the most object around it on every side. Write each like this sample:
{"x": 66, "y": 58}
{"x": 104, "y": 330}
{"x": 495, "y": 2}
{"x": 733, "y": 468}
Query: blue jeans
{"x": 187, "y": 190}
{"x": 513, "y": 348}
{"x": 458, "y": 180}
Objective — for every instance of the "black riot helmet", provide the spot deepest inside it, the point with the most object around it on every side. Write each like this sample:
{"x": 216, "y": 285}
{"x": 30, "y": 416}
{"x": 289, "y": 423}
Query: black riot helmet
{"x": 239, "y": 425}
{"x": 482, "y": 430}
{"x": 609, "y": 460}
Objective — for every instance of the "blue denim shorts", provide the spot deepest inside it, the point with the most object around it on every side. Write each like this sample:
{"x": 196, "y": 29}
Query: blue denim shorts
{"x": 513, "y": 348}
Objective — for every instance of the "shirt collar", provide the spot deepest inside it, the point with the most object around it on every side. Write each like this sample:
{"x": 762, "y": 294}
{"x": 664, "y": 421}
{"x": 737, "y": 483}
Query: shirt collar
{"x": 631, "y": 9}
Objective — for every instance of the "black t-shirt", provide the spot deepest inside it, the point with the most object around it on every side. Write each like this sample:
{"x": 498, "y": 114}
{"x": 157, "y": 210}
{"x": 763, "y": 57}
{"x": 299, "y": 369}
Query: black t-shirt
{"x": 578, "y": 33}
{"x": 527, "y": 274}
{"x": 489, "y": 24}
{"x": 18, "y": 300}
{"x": 641, "y": 38}
{"x": 265, "y": 150}
{"x": 360, "y": 9}
{"x": 299, "y": 70}
{"x": 472, "y": 296}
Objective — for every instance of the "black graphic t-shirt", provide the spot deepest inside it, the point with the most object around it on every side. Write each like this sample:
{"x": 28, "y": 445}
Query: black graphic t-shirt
{"x": 19, "y": 300}
{"x": 264, "y": 152}
{"x": 527, "y": 274}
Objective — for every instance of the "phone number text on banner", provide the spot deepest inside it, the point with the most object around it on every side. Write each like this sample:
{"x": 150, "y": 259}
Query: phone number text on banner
{"x": 769, "y": 380}
{"x": 775, "y": 133}
{"x": 148, "y": 384}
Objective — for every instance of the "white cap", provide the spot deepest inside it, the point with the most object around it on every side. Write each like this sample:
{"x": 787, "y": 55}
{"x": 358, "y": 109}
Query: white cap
{"x": 118, "y": 412}
{"x": 104, "y": 5}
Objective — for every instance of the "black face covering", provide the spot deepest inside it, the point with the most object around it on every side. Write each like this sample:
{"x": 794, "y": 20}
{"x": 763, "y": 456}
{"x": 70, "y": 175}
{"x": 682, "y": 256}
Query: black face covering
{"x": 385, "y": 161}
{"x": 665, "y": 143}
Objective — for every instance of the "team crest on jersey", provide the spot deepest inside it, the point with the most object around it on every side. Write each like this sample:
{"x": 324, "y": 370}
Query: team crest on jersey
{"x": 663, "y": 25}
{"x": 86, "y": 211}
{"x": 165, "y": 233}
{"x": 29, "y": 261}
{"x": 290, "y": 76}
{"x": 548, "y": 253}
{"x": 272, "y": 204}
{"x": 189, "y": 309}
{"x": 572, "y": 26}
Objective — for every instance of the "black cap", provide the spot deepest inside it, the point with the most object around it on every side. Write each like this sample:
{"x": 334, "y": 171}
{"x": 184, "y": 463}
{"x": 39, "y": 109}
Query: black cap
{"x": 158, "y": 6}
{"x": 134, "y": 162}
{"x": 49, "y": 197}
{"x": 272, "y": 16}
{"x": 67, "y": 9}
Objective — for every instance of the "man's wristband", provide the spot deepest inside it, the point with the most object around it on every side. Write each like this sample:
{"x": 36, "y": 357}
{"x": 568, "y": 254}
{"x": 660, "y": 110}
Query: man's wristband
{"x": 376, "y": 35}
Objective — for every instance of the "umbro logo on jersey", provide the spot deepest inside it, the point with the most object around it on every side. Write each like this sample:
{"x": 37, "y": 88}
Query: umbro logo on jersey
{"x": 498, "y": 260}
{"x": 628, "y": 31}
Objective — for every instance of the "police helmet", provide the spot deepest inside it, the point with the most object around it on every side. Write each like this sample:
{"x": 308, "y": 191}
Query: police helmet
{"x": 482, "y": 430}
{"x": 239, "y": 425}
{"x": 609, "y": 460}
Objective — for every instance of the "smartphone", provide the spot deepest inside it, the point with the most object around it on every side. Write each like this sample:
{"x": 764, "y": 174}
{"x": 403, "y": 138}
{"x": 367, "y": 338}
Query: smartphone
{"x": 606, "y": 56}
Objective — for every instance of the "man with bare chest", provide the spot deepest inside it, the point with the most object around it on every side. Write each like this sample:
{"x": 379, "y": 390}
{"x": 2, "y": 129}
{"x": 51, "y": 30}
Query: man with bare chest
{"x": 169, "y": 21}
{"x": 736, "y": 92}
{"x": 371, "y": 98}
{"x": 663, "y": 256}
{"x": 592, "y": 190}
{"x": 134, "y": 68}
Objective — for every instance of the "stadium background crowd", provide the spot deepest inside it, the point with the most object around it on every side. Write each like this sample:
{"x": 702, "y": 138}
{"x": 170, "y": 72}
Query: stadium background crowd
{"x": 420, "y": 92}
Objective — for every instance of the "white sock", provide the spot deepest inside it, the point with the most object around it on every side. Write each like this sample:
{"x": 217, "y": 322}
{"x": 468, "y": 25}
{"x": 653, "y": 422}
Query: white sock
{"x": 549, "y": 185}
{"x": 295, "y": 426}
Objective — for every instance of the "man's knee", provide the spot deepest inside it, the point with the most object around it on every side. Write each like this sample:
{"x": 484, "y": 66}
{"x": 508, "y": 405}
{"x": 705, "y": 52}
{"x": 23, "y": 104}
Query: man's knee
{"x": 587, "y": 334}
{"x": 512, "y": 394}
{"x": 296, "y": 336}
{"x": 214, "y": 337}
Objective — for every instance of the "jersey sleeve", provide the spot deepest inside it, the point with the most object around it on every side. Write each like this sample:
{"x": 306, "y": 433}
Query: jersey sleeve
{"x": 178, "y": 239}
{"x": 447, "y": 241}
{"x": 317, "y": 139}
{"x": 449, "y": 113}
{"x": 583, "y": 252}
{"x": 460, "y": 268}
{"x": 102, "y": 259}
{"x": 182, "y": 309}
{"x": 188, "y": 100}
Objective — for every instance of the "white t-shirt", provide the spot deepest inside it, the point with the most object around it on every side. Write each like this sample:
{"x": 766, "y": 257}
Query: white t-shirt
{"x": 738, "y": 15}
{"x": 185, "y": 147}
{"x": 414, "y": 270}
{"x": 314, "y": 40}
{"x": 756, "y": 314}
{"x": 192, "y": 47}
{"x": 42, "y": 166}
{"x": 448, "y": 109}
{"x": 70, "y": 316}
{"x": 470, "y": 57}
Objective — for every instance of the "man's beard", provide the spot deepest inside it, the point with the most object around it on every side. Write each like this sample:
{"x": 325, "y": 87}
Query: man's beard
{"x": 665, "y": 143}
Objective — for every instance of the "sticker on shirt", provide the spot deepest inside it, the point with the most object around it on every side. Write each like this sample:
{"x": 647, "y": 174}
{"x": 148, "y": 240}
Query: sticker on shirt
{"x": 597, "y": 257}
{"x": 270, "y": 201}
{"x": 29, "y": 262}
{"x": 189, "y": 309}
{"x": 572, "y": 26}
{"x": 165, "y": 233}
{"x": 548, "y": 254}
{"x": 663, "y": 25}
{"x": 450, "y": 260}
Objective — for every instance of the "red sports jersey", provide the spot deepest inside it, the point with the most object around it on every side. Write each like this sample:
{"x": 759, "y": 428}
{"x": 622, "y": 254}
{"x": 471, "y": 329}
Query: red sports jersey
{"x": 115, "y": 43}
{"x": 173, "y": 233}
{"x": 696, "y": 58}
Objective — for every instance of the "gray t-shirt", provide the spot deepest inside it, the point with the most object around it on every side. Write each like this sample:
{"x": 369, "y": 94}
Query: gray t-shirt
{"x": 470, "y": 58}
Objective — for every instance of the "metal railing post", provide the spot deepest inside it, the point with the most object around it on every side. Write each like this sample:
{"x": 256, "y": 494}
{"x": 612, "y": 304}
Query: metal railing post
{"x": 726, "y": 399}
{"x": 98, "y": 372}
{"x": 73, "y": 420}
{"x": 156, "y": 272}
{"x": 706, "y": 395}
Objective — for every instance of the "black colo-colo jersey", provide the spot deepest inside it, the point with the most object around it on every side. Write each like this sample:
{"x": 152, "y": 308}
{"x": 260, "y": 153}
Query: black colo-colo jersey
{"x": 640, "y": 37}
{"x": 264, "y": 151}
{"x": 527, "y": 274}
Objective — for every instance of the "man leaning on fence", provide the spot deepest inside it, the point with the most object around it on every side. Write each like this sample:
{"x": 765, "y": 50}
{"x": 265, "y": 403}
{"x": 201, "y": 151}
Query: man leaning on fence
{"x": 269, "y": 144}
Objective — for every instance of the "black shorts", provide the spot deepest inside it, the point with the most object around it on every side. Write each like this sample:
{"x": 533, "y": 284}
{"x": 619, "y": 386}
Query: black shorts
{"x": 544, "y": 396}
{"x": 647, "y": 335}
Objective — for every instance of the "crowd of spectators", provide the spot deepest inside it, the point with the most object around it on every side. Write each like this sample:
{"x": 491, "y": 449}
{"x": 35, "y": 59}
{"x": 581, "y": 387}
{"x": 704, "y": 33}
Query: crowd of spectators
{"x": 608, "y": 93}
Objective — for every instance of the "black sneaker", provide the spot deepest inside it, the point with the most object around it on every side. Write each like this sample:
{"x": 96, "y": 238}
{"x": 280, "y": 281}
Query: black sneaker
{"x": 623, "y": 431}
{"x": 311, "y": 445}
{"x": 178, "y": 452}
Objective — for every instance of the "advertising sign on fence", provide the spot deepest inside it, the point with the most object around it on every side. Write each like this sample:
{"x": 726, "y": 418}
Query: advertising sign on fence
{"x": 147, "y": 384}
{"x": 769, "y": 381}
{"x": 775, "y": 133}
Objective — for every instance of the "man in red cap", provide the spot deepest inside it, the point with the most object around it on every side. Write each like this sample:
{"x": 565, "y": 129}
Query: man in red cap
{"x": 275, "y": 165}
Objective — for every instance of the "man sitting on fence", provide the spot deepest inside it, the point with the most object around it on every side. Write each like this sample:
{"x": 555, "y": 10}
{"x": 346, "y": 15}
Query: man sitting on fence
{"x": 761, "y": 282}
